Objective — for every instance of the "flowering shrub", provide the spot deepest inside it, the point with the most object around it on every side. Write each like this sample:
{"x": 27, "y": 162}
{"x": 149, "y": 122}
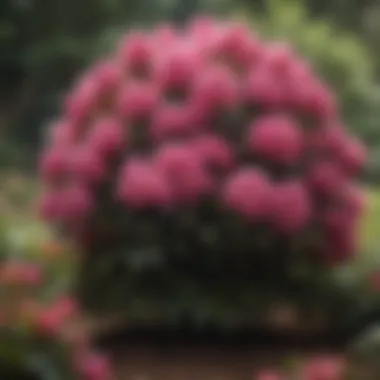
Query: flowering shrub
{"x": 211, "y": 149}
{"x": 41, "y": 331}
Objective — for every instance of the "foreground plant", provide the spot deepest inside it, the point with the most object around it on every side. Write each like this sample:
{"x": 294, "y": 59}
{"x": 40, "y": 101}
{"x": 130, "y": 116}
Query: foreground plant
{"x": 42, "y": 334}
{"x": 207, "y": 151}
{"x": 323, "y": 367}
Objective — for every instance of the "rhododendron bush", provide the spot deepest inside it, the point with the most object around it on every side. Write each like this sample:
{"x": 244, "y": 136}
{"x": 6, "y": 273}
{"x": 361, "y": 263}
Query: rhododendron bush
{"x": 42, "y": 335}
{"x": 207, "y": 151}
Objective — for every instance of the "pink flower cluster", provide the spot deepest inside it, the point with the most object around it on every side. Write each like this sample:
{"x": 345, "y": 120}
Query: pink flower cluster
{"x": 23, "y": 303}
{"x": 210, "y": 112}
{"x": 326, "y": 367}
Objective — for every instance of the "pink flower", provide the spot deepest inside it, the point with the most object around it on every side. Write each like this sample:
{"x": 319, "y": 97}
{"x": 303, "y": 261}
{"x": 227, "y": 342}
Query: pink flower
{"x": 51, "y": 320}
{"x": 355, "y": 200}
{"x": 215, "y": 89}
{"x": 262, "y": 88}
{"x": 215, "y": 151}
{"x": 87, "y": 164}
{"x": 107, "y": 136}
{"x": 353, "y": 156}
{"x": 329, "y": 140}
{"x": 62, "y": 134}
{"x": 49, "y": 205}
{"x": 82, "y": 101}
{"x": 237, "y": 44}
{"x": 140, "y": 185}
{"x": 184, "y": 169}
{"x": 135, "y": 51}
{"x": 335, "y": 219}
{"x": 137, "y": 100}
{"x": 269, "y": 375}
{"x": 19, "y": 273}
{"x": 202, "y": 26}
{"x": 178, "y": 68}
{"x": 319, "y": 101}
{"x": 323, "y": 368}
{"x": 77, "y": 202}
{"x": 275, "y": 138}
{"x": 93, "y": 367}
{"x": 326, "y": 177}
{"x": 54, "y": 163}
{"x": 279, "y": 57}
{"x": 296, "y": 82}
{"x": 171, "y": 120}
{"x": 32, "y": 274}
{"x": 248, "y": 193}
{"x": 107, "y": 76}
{"x": 48, "y": 324}
{"x": 291, "y": 207}
{"x": 164, "y": 35}
{"x": 341, "y": 243}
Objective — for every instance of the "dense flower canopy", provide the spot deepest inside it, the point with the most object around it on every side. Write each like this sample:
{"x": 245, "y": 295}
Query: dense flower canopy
{"x": 208, "y": 122}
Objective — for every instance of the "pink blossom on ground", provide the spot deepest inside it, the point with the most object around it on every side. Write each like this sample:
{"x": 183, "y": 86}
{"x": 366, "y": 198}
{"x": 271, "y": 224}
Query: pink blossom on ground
{"x": 140, "y": 185}
{"x": 248, "y": 193}
{"x": 275, "y": 138}
{"x": 292, "y": 207}
{"x": 269, "y": 375}
{"x": 48, "y": 323}
{"x": 323, "y": 368}
{"x": 93, "y": 367}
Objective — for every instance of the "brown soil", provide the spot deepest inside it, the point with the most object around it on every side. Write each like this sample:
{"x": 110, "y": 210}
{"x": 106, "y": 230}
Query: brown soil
{"x": 144, "y": 363}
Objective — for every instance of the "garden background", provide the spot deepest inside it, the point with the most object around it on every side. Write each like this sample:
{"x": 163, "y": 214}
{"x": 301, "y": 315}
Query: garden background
{"x": 44, "y": 45}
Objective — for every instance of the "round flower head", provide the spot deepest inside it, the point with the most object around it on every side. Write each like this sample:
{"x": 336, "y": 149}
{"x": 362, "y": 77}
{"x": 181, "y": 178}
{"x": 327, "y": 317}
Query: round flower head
{"x": 276, "y": 139}
{"x": 249, "y": 194}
